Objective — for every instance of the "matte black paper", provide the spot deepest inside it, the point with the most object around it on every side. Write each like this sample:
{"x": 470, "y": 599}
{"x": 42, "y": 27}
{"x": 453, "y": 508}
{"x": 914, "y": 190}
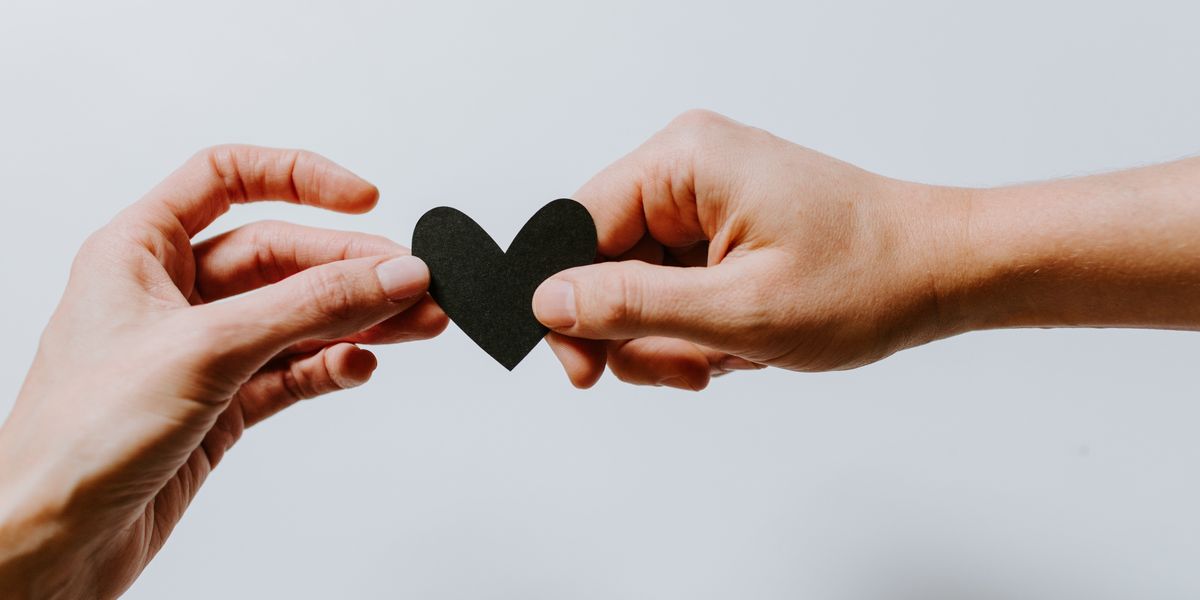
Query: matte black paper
{"x": 488, "y": 292}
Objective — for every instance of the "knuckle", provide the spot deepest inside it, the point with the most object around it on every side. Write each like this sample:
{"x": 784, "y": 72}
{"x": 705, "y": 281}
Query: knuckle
{"x": 688, "y": 143}
{"x": 369, "y": 244}
{"x": 293, "y": 166}
{"x": 264, "y": 239}
{"x": 662, "y": 175}
{"x": 696, "y": 119}
{"x": 95, "y": 245}
{"x": 296, "y": 383}
{"x": 220, "y": 156}
{"x": 212, "y": 335}
{"x": 329, "y": 293}
{"x": 224, "y": 164}
{"x": 619, "y": 302}
{"x": 209, "y": 152}
{"x": 308, "y": 379}
{"x": 363, "y": 244}
{"x": 697, "y": 129}
{"x": 687, "y": 132}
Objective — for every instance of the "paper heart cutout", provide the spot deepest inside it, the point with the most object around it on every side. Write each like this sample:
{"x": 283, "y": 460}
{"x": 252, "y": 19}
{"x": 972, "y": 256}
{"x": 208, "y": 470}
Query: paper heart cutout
{"x": 488, "y": 292}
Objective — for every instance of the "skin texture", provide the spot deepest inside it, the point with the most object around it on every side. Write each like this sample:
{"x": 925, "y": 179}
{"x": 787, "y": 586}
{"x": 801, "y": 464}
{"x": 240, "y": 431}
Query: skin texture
{"x": 728, "y": 248}
{"x": 141, "y": 383}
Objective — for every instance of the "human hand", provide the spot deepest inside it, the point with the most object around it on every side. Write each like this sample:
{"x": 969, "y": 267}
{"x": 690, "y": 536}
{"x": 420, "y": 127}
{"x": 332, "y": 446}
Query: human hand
{"x": 142, "y": 381}
{"x": 730, "y": 249}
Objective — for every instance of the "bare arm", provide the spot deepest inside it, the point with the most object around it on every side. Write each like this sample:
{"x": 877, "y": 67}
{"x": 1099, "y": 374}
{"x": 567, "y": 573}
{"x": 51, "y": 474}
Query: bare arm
{"x": 1113, "y": 250}
{"x": 728, "y": 248}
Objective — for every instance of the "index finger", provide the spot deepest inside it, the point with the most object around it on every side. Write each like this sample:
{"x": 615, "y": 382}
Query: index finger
{"x": 215, "y": 178}
{"x": 657, "y": 188}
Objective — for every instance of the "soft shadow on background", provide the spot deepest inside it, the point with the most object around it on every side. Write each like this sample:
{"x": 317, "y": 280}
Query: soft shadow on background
{"x": 995, "y": 466}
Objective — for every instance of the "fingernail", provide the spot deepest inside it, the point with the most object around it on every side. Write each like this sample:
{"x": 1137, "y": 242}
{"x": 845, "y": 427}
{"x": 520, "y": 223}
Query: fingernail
{"x": 554, "y": 303}
{"x": 678, "y": 382}
{"x": 737, "y": 363}
{"x": 348, "y": 382}
{"x": 403, "y": 277}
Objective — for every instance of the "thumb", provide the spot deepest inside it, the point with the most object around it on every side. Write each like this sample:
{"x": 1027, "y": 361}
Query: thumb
{"x": 631, "y": 299}
{"x": 324, "y": 302}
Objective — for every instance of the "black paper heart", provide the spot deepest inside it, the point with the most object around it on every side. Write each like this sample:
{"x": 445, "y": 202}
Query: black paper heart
{"x": 489, "y": 292}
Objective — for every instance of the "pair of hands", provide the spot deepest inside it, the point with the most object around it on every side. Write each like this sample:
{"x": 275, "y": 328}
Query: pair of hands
{"x": 142, "y": 381}
{"x": 726, "y": 249}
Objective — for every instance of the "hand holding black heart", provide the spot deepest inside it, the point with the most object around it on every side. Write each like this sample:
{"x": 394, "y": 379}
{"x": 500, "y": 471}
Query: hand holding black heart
{"x": 488, "y": 292}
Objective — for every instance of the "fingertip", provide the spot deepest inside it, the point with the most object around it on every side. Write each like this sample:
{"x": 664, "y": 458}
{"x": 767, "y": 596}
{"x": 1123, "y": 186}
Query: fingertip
{"x": 422, "y": 321}
{"x": 362, "y": 361}
{"x": 613, "y": 199}
{"x": 583, "y": 360}
{"x": 585, "y": 380}
{"x": 347, "y": 192}
{"x": 367, "y": 199}
{"x": 361, "y": 196}
{"x": 350, "y": 366}
{"x": 431, "y": 320}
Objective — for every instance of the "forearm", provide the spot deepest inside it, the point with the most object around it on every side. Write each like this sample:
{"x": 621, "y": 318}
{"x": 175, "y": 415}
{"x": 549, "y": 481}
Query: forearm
{"x": 1113, "y": 250}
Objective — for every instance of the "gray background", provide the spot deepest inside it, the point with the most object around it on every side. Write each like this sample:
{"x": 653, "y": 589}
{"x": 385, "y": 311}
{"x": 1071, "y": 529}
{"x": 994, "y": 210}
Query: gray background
{"x": 1000, "y": 465}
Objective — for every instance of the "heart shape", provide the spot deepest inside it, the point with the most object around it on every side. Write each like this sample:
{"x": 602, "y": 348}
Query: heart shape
{"x": 488, "y": 292}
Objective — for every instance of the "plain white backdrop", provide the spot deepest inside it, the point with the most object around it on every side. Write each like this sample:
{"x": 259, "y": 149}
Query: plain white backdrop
{"x": 994, "y": 466}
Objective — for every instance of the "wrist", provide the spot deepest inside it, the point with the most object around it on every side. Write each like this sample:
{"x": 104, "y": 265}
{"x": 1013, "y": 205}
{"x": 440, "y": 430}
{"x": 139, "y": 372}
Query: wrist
{"x": 942, "y": 272}
{"x": 1003, "y": 260}
{"x": 983, "y": 259}
{"x": 30, "y": 541}
{"x": 34, "y": 537}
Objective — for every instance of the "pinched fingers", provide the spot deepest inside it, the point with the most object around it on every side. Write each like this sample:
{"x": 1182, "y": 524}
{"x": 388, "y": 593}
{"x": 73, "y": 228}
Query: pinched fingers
{"x": 330, "y": 301}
